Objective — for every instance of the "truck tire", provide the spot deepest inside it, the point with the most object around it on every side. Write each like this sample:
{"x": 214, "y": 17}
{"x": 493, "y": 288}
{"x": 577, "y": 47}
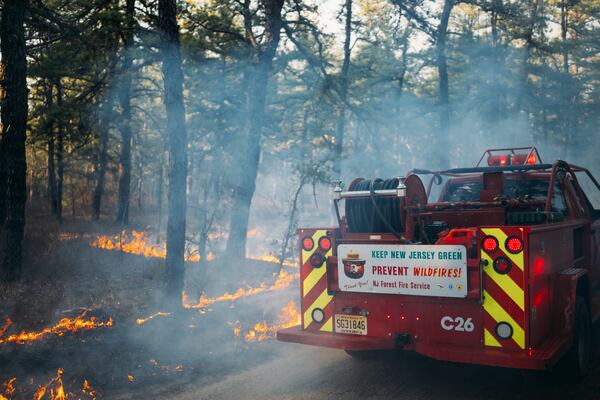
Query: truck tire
{"x": 576, "y": 363}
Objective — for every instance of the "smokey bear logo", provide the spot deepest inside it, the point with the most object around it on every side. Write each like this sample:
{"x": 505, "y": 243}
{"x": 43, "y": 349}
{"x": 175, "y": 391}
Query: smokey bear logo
{"x": 354, "y": 267}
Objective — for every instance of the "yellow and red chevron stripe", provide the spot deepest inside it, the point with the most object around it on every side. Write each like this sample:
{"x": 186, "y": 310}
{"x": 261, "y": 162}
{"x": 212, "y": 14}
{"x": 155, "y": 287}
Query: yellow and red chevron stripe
{"x": 504, "y": 294}
{"x": 314, "y": 286}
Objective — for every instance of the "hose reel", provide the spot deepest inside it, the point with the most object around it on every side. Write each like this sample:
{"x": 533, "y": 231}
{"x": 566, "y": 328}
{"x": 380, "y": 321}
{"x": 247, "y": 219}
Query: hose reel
{"x": 378, "y": 213}
{"x": 374, "y": 214}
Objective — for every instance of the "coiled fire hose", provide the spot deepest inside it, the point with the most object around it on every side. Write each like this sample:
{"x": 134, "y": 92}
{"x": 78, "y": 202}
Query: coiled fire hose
{"x": 376, "y": 214}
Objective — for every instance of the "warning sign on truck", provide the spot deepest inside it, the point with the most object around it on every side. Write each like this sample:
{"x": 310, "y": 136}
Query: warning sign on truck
{"x": 421, "y": 270}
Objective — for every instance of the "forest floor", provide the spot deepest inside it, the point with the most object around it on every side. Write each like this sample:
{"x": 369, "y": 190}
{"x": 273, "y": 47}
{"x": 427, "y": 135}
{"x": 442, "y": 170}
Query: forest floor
{"x": 196, "y": 354}
{"x": 64, "y": 277}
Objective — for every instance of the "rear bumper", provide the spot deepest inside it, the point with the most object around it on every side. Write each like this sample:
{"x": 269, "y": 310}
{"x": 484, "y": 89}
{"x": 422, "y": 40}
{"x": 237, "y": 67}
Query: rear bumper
{"x": 543, "y": 357}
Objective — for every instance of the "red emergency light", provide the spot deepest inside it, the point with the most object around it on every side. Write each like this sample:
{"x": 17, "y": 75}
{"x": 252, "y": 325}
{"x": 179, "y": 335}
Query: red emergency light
{"x": 512, "y": 159}
{"x": 499, "y": 161}
{"x": 511, "y": 156}
{"x": 524, "y": 159}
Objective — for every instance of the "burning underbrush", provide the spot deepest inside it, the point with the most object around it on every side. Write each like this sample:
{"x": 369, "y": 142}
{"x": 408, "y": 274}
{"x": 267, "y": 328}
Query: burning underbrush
{"x": 141, "y": 243}
{"x": 122, "y": 342}
{"x": 65, "y": 326}
{"x": 52, "y": 390}
{"x": 284, "y": 280}
{"x": 290, "y": 316}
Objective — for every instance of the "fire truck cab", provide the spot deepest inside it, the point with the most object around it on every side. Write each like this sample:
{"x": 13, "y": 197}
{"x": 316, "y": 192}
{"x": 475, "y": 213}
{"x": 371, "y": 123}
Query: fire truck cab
{"x": 503, "y": 269}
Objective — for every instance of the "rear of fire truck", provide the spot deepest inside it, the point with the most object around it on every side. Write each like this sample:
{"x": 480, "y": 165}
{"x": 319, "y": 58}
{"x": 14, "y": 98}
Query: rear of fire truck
{"x": 493, "y": 272}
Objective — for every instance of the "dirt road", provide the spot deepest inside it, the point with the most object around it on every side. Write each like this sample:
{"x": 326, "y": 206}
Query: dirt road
{"x": 297, "y": 372}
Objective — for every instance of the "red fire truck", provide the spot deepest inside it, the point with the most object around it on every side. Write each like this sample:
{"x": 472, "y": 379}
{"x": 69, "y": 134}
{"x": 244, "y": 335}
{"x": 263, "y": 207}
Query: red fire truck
{"x": 503, "y": 269}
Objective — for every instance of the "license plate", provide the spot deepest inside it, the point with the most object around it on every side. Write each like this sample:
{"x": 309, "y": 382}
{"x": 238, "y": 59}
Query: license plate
{"x": 351, "y": 324}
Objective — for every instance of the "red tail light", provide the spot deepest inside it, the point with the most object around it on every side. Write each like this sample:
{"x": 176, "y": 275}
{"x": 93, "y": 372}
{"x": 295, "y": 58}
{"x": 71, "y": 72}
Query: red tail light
{"x": 489, "y": 244}
{"x": 514, "y": 245}
{"x": 325, "y": 243}
{"x": 532, "y": 159}
{"x": 317, "y": 260}
{"x": 502, "y": 265}
{"x": 308, "y": 243}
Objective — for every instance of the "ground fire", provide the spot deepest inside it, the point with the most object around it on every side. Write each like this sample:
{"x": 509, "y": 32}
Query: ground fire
{"x": 53, "y": 390}
{"x": 283, "y": 281}
{"x": 142, "y": 321}
{"x": 65, "y": 326}
{"x": 262, "y": 330}
{"x": 140, "y": 243}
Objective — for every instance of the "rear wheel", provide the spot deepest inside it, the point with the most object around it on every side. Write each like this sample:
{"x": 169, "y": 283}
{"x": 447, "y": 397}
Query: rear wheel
{"x": 576, "y": 362}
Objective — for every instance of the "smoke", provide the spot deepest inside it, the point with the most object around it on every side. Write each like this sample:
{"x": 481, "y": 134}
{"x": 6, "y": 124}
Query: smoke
{"x": 392, "y": 126}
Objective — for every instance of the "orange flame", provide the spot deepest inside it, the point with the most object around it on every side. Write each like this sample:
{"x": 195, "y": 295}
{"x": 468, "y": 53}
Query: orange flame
{"x": 8, "y": 389}
{"x": 283, "y": 281}
{"x": 5, "y": 327}
{"x": 55, "y": 390}
{"x": 142, "y": 321}
{"x": 262, "y": 331}
{"x": 88, "y": 390}
{"x": 64, "y": 326}
{"x": 166, "y": 368}
{"x": 138, "y": 243}
{"x": 270, "y": 258}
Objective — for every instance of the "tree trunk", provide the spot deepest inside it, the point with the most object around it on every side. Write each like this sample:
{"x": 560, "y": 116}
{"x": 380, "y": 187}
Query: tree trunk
{"x": 525, "y": 65}
{"x": 250, "y": 153}
{"x": 404, "y": 58}
{"x": 570, "y": 94}
{"x": 159, "y": 199}
{"x": 13, "y": 116}
{"x": 341, "y": 121}
{"x": 125, "y": 120}
{"x": 60, "y": 149}
{"x": 497, "y": 61}
{"x": 103, "y": 127}
{"x": 444, "y": 103}
{"x": 140, "y": 188}
{"x": 564, "y": 29}
{"x": 51, "y": 169}
{"x": 173, "y": 86}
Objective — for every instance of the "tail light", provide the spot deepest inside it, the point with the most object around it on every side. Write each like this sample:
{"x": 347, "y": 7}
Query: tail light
{"x": 308, "y": 243}
{"x": 514, "y": 244}
{"x": 317, "y": 260}
{"x": 325, "y": 243}
{"x": 502, "y": 265}
{"x": 489, "y": 244}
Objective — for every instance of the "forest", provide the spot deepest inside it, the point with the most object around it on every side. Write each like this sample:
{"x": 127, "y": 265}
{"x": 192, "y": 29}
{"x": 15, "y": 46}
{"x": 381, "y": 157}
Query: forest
{"x": 157, "y": 152}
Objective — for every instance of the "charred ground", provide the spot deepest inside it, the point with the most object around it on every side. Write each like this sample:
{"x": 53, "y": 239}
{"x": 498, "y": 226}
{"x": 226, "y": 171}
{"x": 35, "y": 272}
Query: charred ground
{"x": 68, "y": 277}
